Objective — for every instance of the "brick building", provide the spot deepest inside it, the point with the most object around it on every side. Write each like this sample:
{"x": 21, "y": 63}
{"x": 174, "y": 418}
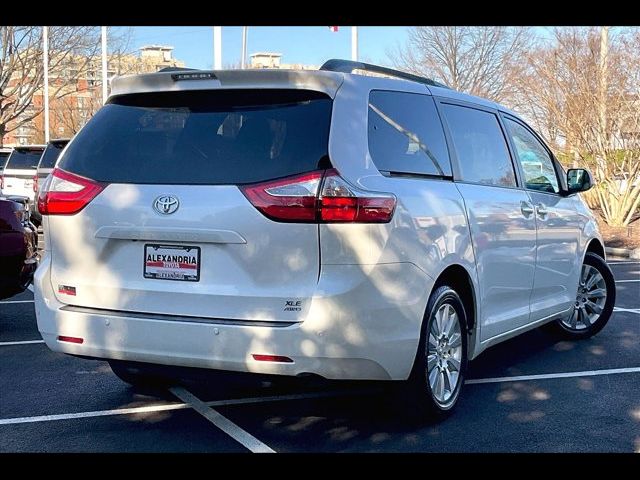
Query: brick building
{"x": 81, "y": 93}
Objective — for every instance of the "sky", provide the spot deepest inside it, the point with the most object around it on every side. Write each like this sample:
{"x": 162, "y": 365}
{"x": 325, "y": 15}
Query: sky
{"x": 306, "y": 45}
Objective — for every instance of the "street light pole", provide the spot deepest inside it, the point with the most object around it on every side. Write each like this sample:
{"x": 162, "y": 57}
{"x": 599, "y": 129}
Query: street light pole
{"x": 45, "y": 49}
{"x": 104, "y": 65}
{"x": 217, "y": 48}
{"x": 354, "y": 44}
{"x": 243, "y": 61}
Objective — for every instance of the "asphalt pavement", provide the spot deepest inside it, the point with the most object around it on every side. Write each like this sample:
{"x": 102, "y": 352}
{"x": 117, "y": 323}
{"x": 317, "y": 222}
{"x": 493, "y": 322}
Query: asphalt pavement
{"x": 534, "y": 393}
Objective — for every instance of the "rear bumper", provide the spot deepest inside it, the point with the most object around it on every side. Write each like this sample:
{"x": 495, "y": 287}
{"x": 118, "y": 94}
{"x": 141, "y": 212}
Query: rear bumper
{"x": 365, "y": 326}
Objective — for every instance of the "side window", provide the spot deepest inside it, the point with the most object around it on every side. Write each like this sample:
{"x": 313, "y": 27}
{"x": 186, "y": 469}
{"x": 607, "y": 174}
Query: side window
{"x": 536, "y": 162}
{"x": 480, "y": 145}
{"x": 405, "y": 134}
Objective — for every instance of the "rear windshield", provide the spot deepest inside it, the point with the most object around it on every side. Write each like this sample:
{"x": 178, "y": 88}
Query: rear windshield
{"x": 51, "y": 154}
{"x": 24, "y": 159}
{"x": 203, "y": 137}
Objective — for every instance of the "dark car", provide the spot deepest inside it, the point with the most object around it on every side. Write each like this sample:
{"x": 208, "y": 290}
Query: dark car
{"x": 45, "y": 167}
{"x": 18, "y": 246}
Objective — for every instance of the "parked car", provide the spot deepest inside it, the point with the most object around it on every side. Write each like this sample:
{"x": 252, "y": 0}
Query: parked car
{"x": 18, "y": 246}
{"x": 45, "y": 167}
{"x": 312, "y": 222}
{"x": 17, "y": 177}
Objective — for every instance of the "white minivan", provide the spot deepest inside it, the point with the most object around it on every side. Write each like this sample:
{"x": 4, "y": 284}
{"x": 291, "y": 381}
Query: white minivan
{"x": 312, "y": 222}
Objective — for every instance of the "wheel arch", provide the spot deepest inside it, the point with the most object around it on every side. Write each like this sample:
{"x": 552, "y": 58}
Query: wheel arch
{"x": 457, "y": 277}
{"x": 595, "y": 246}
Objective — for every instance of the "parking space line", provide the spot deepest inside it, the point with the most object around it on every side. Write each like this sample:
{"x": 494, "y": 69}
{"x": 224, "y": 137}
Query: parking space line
{"x": 174, "y": 406}
{"x": 628, "y": 310}
{"x": 624, "y": 263}
{"x": 23, "y": 342}
{"x": 524, "y": 378}
{"x": 223, "y": 423}
{"x": 97, "y": 413}
{"x": 627, "y": 281}
{"x": 17, "y": 301}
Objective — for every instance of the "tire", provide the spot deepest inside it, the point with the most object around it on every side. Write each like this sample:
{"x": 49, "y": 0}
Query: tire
{"x": 427, "y": 387}
{"x": 578, "y": 326}
{"x": 136, "y": 375}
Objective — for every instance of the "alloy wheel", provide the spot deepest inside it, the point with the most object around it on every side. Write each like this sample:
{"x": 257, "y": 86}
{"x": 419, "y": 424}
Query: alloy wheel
{"x": 591, "y": 298}
{"x": 444, "y": 353}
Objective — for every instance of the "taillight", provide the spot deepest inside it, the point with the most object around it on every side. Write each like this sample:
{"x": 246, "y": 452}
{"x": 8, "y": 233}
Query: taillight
{"x": 291, "y": 199}
{"x": 35, "y": 183}
{"x": 341, "y": 202}
{"x": 65, "y": 193}
{"x": 319, "y": 197}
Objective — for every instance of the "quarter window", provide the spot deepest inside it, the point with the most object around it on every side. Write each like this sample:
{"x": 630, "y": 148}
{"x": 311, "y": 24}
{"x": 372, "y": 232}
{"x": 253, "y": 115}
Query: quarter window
{"x": 405, "y": 134}
{"x": 536, "y": 162}
{"x": 480, "y": 146}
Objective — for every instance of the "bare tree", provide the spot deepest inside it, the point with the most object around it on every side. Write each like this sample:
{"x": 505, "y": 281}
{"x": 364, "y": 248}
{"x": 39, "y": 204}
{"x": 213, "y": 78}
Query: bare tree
{"x": 72, "y": 51}
{"x": 72, "y": 113}
{"x": 477, "y": 60}
{"x": 583, "y": 93}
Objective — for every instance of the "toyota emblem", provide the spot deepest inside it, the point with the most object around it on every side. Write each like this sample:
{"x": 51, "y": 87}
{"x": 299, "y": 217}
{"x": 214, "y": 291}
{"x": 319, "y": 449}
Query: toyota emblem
{"x": 166, "y": 204}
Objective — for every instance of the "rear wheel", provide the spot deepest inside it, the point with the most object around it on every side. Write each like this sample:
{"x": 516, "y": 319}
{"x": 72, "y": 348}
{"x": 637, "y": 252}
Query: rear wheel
{"x": 441, "y": 361}
{"x": 137, "y": 375}
{"x": 595, "y": 299}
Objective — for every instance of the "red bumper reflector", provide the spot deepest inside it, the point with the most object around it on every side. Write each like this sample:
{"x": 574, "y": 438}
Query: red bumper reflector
{"x": 271, "y": 358}
{"x": 62, "y": 338}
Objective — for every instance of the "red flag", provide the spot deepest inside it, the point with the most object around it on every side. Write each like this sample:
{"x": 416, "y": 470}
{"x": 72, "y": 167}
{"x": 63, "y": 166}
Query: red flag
{"x": 333, "y": 29}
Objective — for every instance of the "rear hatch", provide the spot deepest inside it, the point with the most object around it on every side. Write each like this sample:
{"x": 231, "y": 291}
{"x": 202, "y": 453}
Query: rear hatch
{"x": 171, "y": 231}
{"x": 20, "y": 170}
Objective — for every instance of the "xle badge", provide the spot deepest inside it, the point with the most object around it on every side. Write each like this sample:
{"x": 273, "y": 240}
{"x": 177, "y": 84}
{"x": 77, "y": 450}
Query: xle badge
{"x": 293, "y": 305}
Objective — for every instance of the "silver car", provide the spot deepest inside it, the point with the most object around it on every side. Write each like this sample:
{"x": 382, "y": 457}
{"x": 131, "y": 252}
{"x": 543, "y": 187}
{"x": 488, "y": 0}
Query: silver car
{"x": 366, "y": 227}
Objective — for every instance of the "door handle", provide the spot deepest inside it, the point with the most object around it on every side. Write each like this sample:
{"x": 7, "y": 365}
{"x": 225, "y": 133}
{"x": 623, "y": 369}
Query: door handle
{"x": 541, "y": 209}
{"x": 526, "y": 208}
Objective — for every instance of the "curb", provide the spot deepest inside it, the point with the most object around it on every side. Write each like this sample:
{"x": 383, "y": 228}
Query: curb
{"x": 623, "y": 252}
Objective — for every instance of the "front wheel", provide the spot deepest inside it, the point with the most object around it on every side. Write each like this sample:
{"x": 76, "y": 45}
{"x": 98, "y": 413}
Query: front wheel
{"x": 595, "y": 299}
{"x": 441, "y": 360}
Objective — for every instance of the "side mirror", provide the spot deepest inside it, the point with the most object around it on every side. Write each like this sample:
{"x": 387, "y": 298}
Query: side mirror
{"x": 578, "y": 180}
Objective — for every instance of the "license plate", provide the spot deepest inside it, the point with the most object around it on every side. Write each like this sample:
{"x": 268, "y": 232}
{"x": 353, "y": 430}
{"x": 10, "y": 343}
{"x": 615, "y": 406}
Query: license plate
{"x": 170, "y": 262}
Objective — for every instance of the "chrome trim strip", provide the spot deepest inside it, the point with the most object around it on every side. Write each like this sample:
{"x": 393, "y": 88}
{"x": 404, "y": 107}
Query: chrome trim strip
{"x": 176, "y": 318}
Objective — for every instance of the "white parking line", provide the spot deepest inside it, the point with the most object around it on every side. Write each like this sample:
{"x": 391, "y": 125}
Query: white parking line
{"x": 624, "y": 263}
{"x": 524, "y": 378}
{"x": 282, "y": 398}
{"x": 98, "y": 413}
{"x": 628, "y": 310}
{"x": 17, "y": 301}
{"x": 23, "y": 342}
{"x": 223, "y": 423}
{"x": 172, "y": 406}
{"x": 626, "y": 281}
